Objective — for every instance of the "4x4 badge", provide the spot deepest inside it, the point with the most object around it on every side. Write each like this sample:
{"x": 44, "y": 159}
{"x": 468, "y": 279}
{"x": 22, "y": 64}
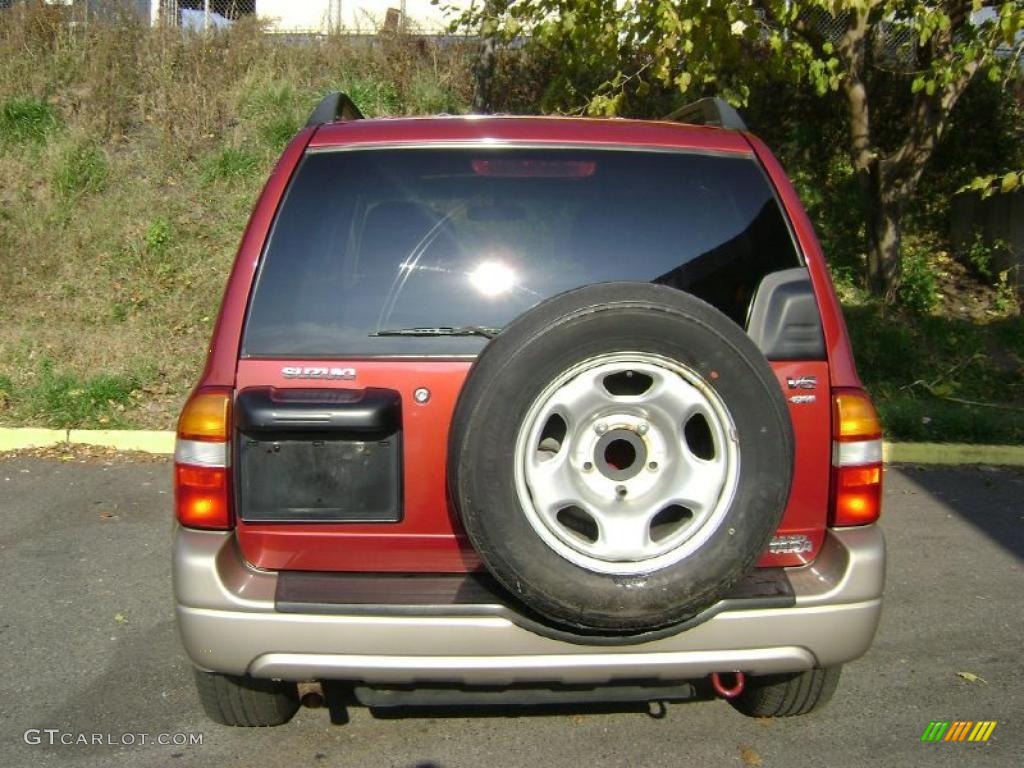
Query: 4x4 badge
{"x": 317, "y": 372}
{"x": 802, "y": 382}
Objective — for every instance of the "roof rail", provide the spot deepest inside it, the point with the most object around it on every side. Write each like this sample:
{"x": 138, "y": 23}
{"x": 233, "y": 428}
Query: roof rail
{"x": 710, "y": 111}
{"x": 332, "y": 107}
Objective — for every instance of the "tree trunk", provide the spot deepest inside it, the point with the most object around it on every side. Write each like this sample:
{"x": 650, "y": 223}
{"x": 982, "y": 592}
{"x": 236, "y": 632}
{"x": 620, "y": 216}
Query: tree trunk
{"x": 483, "y": 77}
{"x": 883, "y": 236}
{"x": 882, "y": 203}
{"x": 883, "y": 210}
{"x": 483, "y": 69}
{"x": 875, "y": 177}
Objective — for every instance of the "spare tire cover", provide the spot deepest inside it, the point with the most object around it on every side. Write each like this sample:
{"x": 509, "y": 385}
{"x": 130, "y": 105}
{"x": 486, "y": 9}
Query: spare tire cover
{"x": 620, "y": 456}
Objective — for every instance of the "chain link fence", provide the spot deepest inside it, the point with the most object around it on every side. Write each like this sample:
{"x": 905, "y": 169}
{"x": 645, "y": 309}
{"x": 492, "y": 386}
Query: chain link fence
{"x": 894, "y": 43}
{"x": 188, "y": 14}
{"x": 201, "y": 15}
{"x": 299, "y": 17}
{"x": 308, "y": 16}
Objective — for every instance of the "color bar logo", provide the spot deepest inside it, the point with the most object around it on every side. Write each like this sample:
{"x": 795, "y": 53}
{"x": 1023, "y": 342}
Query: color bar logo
{"x": 958, "y": 730}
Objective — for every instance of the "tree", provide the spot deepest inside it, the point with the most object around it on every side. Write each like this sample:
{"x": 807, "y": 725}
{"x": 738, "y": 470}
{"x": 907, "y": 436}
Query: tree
{"x": 613, "y": 55}
{"x": 484, "y": 66}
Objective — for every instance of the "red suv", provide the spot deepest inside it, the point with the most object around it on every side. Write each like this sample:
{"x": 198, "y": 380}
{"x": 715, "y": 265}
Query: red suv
{"x": 527, "y": 409}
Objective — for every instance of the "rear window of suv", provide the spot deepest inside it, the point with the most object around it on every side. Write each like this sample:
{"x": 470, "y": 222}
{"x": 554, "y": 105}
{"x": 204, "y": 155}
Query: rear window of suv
{"x": 368, "y": 242}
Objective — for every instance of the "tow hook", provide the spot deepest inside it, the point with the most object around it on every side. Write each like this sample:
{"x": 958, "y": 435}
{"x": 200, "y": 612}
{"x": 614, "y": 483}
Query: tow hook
{"x": 728, "y": 693}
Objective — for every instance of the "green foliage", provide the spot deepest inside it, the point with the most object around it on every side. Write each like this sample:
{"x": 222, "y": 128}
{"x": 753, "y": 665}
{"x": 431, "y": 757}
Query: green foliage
{"x": 993, "y": 183}
{"x": 1007, "y": 299}
{"x": 25, "y": 121}
{"x": 608, "y": 56}
{"x": 64, "y": 400}
{"x": 828, "y": 189}
{"x": 611, "y": 50}
{"x": 983, "y": 139}
{"x": 277, "y": 110}
{"x": 1009, "y": 336}
{"x": 269, "y": 99}
{"x": 278, "y": 130}
{"x": 919, "y": 289}
{"x": 433, "y": 98}
{"x": 986, "y": 260}
{"x": 377, "y": 97}
{"x": 844, "y": 279}
{"x": 980, "y": 256}
{"x": 887, "y": 352}
{"x": 229, "y": 165}
{"x": 429, "y": 96}
{"x": 941, "y": 379}
{"x": 6, "y": 391}
{"x": 934, "y": 420}
{"x": 81, "y": 169}
{"x": 158, "y": 236}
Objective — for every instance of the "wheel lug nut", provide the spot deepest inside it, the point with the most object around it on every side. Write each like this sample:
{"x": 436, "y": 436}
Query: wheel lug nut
{"x": 642, "y": 428}
{"x": 600, "y": 428}
{"x": 587, "y": 466}
{"x": 653, "y": 466}
{"x": 620, "y": 490}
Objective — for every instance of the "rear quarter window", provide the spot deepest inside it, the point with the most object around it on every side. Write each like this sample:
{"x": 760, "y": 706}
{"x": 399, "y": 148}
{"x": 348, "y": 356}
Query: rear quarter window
{"x": 377, "y": 240}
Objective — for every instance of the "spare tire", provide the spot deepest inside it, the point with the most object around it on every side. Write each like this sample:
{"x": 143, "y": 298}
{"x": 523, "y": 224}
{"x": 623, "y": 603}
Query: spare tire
{"x": 620, "y": 456}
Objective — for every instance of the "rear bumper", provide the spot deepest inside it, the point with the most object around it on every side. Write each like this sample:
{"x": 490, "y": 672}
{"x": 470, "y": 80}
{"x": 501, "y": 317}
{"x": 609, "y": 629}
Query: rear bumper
{"x": 228, "y": 623}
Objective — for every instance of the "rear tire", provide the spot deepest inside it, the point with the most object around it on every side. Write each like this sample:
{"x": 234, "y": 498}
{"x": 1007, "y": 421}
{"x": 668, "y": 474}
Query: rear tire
{"x": 574, "y": 539}
{"x": 788, "y": 695}
{"x": 245, "y": 701}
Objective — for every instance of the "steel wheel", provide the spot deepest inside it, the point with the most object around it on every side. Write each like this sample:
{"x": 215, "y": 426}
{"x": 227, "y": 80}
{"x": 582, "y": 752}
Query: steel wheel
{"x": 595, "y": 457}
{"x": 626, "y": 463}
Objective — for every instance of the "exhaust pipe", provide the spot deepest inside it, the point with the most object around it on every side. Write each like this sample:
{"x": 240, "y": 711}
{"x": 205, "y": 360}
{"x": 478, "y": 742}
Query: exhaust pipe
{"x": 728, "y": 692}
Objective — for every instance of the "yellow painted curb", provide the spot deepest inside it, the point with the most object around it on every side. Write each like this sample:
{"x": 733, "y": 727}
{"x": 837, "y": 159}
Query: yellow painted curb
{"x": 30, "y": 437}
{"x": 148, "y": 441}
{"x": 952, "y": 453}
{"x": 162, "y": 442}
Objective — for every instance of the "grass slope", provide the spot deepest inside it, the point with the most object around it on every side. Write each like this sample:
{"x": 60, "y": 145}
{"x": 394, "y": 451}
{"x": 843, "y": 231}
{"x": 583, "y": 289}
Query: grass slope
{"x": 132, "y": 157}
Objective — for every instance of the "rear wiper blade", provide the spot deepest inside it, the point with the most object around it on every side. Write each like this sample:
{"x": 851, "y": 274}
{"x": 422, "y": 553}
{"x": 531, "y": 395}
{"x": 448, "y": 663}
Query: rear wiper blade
{"x": 444, "y": 330}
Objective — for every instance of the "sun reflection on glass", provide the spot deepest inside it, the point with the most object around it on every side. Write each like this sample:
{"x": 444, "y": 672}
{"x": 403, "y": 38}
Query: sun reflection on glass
{"x": 492, "y": 278}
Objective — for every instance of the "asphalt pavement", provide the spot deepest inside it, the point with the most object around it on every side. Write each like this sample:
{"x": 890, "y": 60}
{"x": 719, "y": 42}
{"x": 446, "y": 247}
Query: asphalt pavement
{"x": 88, "y": 646}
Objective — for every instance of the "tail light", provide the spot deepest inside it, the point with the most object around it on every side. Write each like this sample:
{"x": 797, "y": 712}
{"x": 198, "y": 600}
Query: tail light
{"x": 856, "y": 459}
{"x": 202, "y": 487}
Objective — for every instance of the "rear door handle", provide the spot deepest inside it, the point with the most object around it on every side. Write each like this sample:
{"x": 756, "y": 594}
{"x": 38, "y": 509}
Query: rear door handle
{"x": 364, "y": 411}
